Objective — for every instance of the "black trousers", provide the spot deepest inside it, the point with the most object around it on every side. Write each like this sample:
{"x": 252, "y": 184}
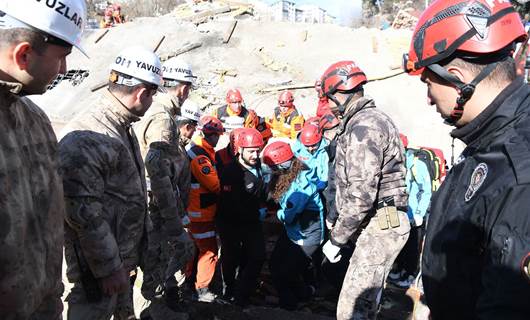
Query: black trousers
{"x": 409, "y": 257}
{"x": 242, "y": 254}
{"x": 290, "y": 267}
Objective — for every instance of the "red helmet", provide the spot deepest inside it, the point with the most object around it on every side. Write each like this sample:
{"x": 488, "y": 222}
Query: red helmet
{"x": 404, "y": 140}
{"x": 342, "y": 76}
{"x": 250, "y": 138}
{"x": 310, "y": 134}
{"x": 477, "y": 27}
{"x": 234, "y": 96}
{"x": 210, "y": 125}
{"x": 286, "y": 99}
{"x": 234, "y": 139}
{"x": 276, "y": 153}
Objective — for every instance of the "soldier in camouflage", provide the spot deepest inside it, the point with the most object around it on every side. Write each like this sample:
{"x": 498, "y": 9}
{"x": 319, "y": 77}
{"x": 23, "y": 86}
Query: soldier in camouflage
{"x": 169, "y": 181}
{"x": 31, "y": 192}
{"x": 369, "y": 203}
{"x": 105, "y": 191}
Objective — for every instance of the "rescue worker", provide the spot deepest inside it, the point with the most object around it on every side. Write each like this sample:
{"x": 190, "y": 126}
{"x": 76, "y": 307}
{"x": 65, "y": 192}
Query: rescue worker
{"x": 161, "y": 118}
{"x": 311, "y": 149}
{"x": 477, "y": 247}
{"x": 233, "y": 114}
{"x": 34, "y": 42}
{"x": 168, "y": 175}
{"x": 202, "y": 205}
{"x": 286, "y": 121}
{"x": 228, "y": 154}
{"x": 239, "y": 215}
{"x": 302, "y": 213}
{"x": 187, "y": 122}
{"x": 369, "y": 203}
{"x": 105, "y": 190}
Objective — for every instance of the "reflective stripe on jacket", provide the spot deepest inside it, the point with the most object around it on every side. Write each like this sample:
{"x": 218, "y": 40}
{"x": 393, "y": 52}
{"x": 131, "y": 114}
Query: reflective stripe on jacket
{"x": 286, "y": 125}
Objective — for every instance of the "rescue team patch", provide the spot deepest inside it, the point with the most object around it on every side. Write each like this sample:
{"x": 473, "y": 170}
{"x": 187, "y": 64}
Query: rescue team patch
{"x": 525, "y": 267}
{"x": 206, "y": 170}
{"x": 477, "y": 178}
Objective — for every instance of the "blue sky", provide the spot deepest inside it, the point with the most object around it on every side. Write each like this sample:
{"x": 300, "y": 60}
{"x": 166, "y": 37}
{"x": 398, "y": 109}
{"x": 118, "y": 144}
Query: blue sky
{"x": 338, "y": 8}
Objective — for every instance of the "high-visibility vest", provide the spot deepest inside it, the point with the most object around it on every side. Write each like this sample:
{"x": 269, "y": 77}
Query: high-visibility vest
{"x": 286, "y": 126}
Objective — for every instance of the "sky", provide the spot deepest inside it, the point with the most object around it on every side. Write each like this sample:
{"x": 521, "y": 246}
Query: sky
{"x": 344, "y": 10}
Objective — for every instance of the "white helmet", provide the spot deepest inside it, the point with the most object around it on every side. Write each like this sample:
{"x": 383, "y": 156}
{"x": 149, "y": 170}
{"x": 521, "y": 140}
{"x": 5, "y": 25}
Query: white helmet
{"x": 190, "y": 110}
{"x": 64, "y": 20}
{"x": 139, "y": 63}
{"x": 177, "y": 70}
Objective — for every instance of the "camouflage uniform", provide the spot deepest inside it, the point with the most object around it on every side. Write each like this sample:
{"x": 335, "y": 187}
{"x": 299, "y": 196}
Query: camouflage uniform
{"x": 32, "y": 211}
{"x": 106, "y": 205}
{"x": 169, "y": 176}
{"x": 368, "y": 167}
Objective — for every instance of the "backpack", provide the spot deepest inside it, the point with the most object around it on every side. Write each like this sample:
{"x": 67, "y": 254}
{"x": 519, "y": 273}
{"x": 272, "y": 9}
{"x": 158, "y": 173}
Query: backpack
{"x": 434, "y": 160}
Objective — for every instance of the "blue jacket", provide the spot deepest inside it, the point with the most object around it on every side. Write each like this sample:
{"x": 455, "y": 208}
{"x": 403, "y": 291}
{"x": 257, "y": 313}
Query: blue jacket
{"x": 302, "y": 212}
{"x": 318, "y": 162}
{"x": 418, "y": 186}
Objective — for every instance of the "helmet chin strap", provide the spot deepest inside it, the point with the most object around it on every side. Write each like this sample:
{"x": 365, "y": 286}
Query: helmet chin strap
{"x": 341, "y": 107}
{"x": 466, "y": 89}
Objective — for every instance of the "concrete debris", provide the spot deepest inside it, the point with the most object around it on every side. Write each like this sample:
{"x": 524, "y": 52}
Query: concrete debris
{"x": 405, "y": 20}
{"x": 269, "y": 62}
{"x": 185, "y": 48}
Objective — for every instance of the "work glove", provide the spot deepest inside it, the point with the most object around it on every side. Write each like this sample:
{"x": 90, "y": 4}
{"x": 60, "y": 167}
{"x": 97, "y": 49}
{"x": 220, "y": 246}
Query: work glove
{"x": 262, "y": 213}
{"x": 332, "y": 252}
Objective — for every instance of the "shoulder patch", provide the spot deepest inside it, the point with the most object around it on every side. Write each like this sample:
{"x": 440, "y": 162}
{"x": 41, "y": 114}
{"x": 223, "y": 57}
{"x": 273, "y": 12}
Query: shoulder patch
{"x": 206, "y": 170}
{"x": 477, "y": 179}
{"x": 202, "y": 160}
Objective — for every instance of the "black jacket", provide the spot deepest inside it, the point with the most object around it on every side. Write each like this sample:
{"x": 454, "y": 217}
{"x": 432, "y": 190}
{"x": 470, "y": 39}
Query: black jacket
{"x": 242, "y": 193}
{"x": 478, "y": 233}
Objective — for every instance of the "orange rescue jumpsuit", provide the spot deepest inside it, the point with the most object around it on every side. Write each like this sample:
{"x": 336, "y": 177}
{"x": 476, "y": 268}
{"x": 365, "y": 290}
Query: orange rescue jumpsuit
{"x": 202, "y": 207}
